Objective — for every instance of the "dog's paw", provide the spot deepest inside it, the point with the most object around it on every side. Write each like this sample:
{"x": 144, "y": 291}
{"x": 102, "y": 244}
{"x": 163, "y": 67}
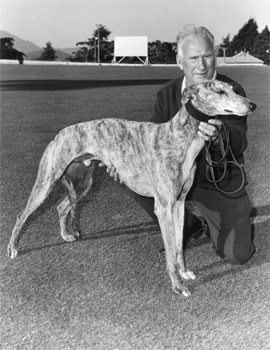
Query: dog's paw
{"x": 187, "y": 275}
{"x": 186, "y": 292}
{"x": 70, "y": 238}
{"x": 183, "y": 290}
{"x": 12, "y": 251}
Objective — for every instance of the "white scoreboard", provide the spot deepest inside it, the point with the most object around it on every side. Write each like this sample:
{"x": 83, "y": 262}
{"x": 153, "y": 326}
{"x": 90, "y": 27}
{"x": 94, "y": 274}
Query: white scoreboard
{"x": 130, "y": 46}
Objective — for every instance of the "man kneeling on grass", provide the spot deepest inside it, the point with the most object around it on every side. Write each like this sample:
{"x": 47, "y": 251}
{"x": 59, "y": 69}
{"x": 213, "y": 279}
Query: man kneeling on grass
{"x": 226, "y": 216}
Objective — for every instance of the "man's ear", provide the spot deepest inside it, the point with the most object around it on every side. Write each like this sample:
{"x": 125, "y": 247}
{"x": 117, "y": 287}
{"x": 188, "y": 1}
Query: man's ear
{"x": 179, "y": 62}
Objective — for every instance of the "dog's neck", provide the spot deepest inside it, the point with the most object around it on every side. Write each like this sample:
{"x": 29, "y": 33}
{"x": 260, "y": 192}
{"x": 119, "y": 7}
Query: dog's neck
{"x": 182, "y": 121}
{"x": 195, "y": 113}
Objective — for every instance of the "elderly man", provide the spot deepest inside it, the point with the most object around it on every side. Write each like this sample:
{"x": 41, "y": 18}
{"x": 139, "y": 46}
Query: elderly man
{"x": 227, "y": 215}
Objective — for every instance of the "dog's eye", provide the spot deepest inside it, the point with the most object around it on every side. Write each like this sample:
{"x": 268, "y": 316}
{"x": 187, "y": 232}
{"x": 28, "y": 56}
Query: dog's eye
{"x": 221, "y": 92}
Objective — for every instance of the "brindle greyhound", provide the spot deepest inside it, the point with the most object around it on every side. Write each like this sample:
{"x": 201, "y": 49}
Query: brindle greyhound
{"x": 156, "y": 160}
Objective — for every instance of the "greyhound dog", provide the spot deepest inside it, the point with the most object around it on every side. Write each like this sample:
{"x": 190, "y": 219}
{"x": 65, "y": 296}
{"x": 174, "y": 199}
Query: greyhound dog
{"x": 155, "y": 160}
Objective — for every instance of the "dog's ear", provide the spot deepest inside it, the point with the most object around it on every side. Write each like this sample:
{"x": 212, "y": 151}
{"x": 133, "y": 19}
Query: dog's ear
{"x": 189, "y": 93}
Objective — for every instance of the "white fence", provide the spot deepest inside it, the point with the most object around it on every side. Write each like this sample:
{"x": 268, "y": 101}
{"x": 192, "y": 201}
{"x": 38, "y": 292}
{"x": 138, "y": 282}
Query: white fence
{"x": 67, "y": 63}
{"x": 28, "y": 62}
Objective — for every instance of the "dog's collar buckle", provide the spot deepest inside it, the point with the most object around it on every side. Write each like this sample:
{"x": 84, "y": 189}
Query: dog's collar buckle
{"x": 195, "y": 113}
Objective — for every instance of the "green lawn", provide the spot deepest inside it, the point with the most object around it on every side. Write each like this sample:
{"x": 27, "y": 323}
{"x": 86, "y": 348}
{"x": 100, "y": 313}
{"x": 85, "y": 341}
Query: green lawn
{"x": 110, "y": 290}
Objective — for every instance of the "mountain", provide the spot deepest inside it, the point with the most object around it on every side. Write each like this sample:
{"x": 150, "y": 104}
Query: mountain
{"x": 20, "y": 44}
{"x": 33, "y": 51}
{"x": 69, "y": 50}
{"x": 61, "y": 56}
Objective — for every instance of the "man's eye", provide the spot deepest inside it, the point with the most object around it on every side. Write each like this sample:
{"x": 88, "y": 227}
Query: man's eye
{"x": 221, "y": 92}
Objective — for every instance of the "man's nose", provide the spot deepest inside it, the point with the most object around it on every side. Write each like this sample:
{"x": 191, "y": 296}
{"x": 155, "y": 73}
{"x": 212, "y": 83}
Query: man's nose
{"x": 200, "y": 63}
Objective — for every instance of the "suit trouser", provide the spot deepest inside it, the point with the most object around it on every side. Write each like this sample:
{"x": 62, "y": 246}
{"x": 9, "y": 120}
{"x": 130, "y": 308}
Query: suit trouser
{"x": 228, "y": 220}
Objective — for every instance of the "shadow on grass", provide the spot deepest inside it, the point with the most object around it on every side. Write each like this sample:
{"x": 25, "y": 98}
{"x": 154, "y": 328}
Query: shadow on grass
{"x": 260, "y": 257}
{"x": 261, "y": 211}
{"x": 215, "y": 270}
{"x": 29, "y": 85}
{"x": 137, "y": 230}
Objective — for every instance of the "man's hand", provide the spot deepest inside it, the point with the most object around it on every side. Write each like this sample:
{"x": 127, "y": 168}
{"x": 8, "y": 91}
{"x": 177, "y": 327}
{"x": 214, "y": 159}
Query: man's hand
{"x": 208, "y": 131}
{"x": 111, "y": 170}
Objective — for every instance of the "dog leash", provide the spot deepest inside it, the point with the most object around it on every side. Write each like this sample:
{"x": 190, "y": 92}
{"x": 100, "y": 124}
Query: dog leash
{"x": 223, "y": 137}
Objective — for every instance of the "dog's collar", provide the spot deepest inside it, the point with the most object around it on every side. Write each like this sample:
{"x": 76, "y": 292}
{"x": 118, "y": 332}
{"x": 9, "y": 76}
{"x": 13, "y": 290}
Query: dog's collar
{"x": 200, "y": 116}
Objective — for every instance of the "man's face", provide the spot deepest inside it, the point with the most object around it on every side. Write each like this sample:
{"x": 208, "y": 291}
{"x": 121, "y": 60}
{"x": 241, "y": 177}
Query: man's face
{"x": 198, "y": 59}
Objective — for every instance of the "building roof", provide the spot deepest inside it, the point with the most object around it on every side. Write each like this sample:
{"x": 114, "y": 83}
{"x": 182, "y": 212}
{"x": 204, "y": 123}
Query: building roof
{"x": 240, "y": 58}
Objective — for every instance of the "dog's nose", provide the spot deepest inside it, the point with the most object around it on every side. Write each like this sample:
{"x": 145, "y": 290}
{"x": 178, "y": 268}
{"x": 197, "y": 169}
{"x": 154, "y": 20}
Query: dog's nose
{"x": 252, "y": 106}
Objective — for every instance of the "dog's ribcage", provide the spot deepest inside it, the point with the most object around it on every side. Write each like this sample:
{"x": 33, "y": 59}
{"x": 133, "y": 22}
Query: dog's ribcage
{"x": 139, "y": 151}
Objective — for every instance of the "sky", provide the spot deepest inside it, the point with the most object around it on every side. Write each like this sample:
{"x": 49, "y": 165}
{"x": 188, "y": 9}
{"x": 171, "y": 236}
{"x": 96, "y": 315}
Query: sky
{"x": 66, "y": 22}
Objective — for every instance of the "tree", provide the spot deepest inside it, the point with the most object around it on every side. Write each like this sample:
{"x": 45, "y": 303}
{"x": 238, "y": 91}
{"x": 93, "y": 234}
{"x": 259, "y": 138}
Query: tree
{"x": 49, "y": 53}
{"x": 162, "y": 52}
{"x": 249, "y": 40}
{"x": 224, "y": 46}
{"x": 98, "y": 43}
{"x": 154, "y": 51}
{"x": 8, "y": 52}
{"x": 85, "y": 53}
{"x": 261, "y": 46}
{"x": 245, "y": 38}
{"x": 101, "y": 32}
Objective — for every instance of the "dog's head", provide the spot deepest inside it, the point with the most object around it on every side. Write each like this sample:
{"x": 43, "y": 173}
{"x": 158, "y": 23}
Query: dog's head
{"x": 215, "y": 97}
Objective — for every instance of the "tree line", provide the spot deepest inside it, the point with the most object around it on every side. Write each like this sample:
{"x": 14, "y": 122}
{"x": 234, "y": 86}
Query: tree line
{"x": 249, "y": 40}
{"x": 99, "y": 49}
{"x": 8, "y": 52}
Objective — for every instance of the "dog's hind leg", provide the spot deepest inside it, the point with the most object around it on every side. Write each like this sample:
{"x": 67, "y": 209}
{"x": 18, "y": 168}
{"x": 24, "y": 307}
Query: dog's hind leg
{"x": 40, "y": 191}
{"x": 46, "y": 178}
{"x": 63, "y": 210}
{"x": 78, "y": 180}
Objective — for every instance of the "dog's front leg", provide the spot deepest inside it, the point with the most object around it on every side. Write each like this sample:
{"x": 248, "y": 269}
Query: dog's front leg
{"x": 166, "y": 223}
{"x": 178, "y": 214}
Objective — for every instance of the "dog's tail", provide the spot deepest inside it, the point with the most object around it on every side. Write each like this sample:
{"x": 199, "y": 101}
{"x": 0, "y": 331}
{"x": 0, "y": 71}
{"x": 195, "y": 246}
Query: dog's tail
{"x": 41, "y": 189}
{"x": 50, "y": 170}
{"x": 57, "y": 156}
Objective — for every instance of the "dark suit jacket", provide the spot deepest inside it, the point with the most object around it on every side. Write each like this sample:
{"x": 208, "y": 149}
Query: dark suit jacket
{"x": 168, "y": 103}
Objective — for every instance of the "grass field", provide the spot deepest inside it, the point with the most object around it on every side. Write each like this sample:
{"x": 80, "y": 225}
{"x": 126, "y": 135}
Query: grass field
{"x": 110, "y": 290}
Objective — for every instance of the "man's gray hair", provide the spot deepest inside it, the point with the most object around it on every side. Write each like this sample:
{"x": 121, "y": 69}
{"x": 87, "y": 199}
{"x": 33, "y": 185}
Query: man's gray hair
{"x": 192, "y": 30}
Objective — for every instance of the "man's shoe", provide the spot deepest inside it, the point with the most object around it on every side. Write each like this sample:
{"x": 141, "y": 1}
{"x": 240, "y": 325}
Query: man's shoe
{"x": 191, "y": 233}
